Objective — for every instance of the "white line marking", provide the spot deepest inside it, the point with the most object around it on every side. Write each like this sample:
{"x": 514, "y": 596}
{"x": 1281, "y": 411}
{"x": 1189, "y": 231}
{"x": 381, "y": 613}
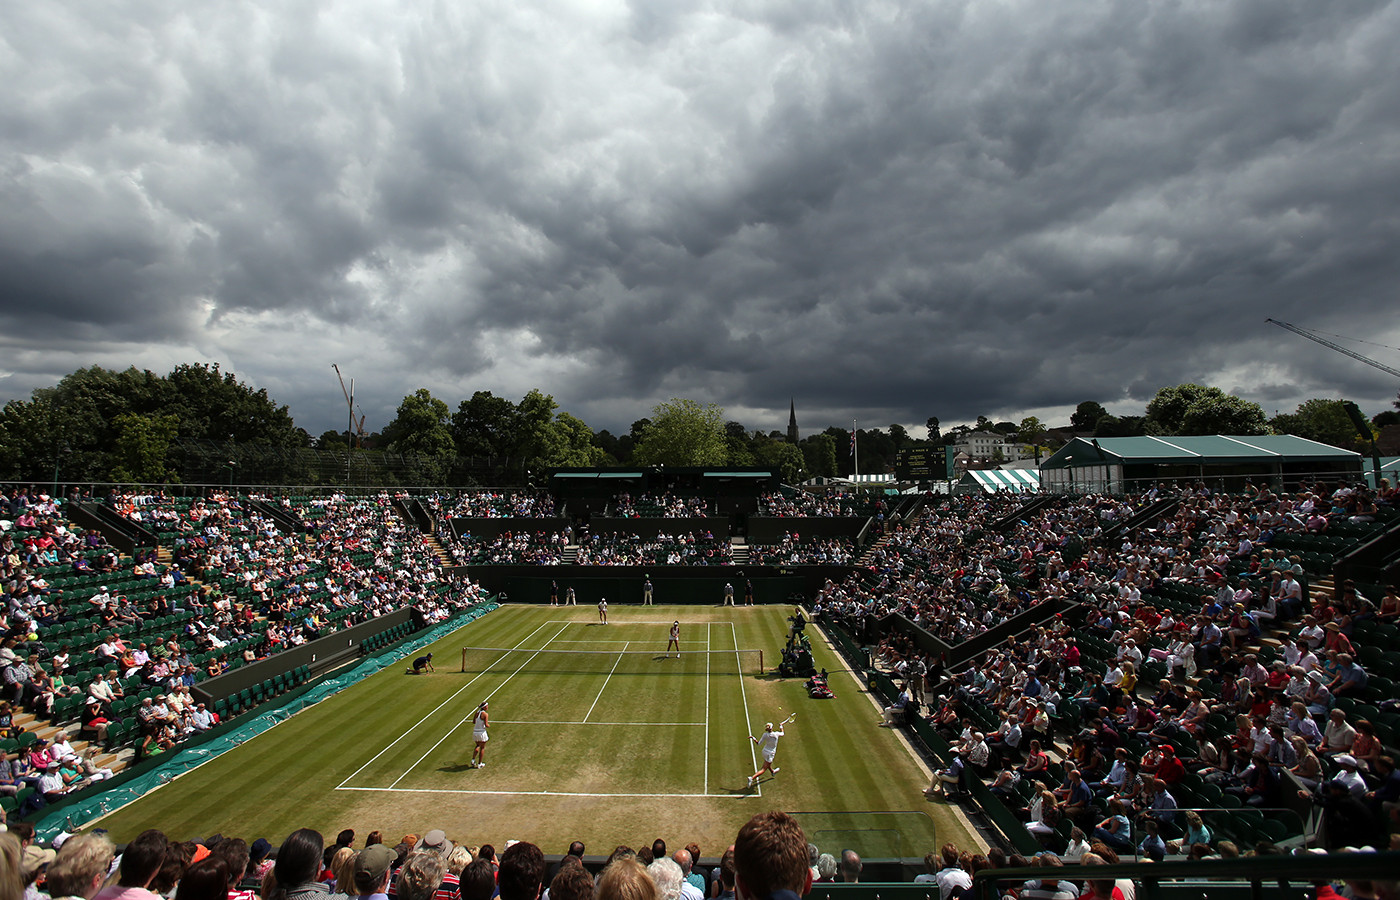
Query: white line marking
{"x": 524, "y": 793}
{"x": 743, "y": 692}
{"x": 429, "y": 714}
{"x": 707, "y": 708}
{"x": 455, "y": 727}
{"x": 616, "y": 663}
{"x": 649, "y": 724}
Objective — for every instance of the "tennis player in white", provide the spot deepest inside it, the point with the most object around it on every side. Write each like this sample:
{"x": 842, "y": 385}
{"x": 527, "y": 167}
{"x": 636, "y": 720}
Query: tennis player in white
{"x": 481, "y": 720}
{"x": 675, "y": 639}
{"x": 768, "y": 745}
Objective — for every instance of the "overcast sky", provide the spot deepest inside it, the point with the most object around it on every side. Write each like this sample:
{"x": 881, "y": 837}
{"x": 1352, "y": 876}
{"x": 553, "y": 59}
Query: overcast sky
{"x": 886, "y": 211}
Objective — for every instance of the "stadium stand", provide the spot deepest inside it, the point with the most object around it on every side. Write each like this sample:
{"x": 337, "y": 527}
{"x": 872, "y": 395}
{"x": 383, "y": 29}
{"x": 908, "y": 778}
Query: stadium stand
{"x": 1173, "y": 674}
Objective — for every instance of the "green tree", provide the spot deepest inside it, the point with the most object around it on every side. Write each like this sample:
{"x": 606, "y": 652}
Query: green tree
{"x": 214, "y": 405}
{"x": 819, "y": 455}
{"x": 535, "y": 428}
{"x": 899, "y": 437}
{"x": 1319, "y": 419}
{"x": 1086, "y": 416}
{"x": 421, "y": 426}
{"x": 1195, "y": 409}
{"x": 1031, "y": 430}
{"x": 569, "y": 442}
{"x": 142, "y": 446}
{"x": 932, "y": 426}
{"x": 486, "y": 425}
{"x": 1119, "y": 426}
{"x": 783, "y": 457}
{"x": 683, "y": 433}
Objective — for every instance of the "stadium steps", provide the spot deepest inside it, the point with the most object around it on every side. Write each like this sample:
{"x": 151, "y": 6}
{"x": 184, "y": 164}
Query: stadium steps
{"x": 570, "y": 555}
{"x": 870, "y": 551}
{"x": 739, "y": 551}
{"x": 116, "y": 761}
{"x": 440, "y": 554}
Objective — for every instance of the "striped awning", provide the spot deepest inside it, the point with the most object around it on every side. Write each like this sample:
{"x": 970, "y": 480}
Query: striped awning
{"x": 1016, "y": 480}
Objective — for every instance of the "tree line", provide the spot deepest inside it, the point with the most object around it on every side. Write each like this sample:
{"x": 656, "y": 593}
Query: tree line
{"x": 199, "y": 424}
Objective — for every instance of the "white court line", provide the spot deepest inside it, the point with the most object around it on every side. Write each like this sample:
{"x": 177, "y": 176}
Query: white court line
{"x": 648, "y": 724}
{"x": 708, "y": 643}
{"x": 428, "y": 714}
{"x": 617, "y": 662}
{"x": 392, "y": 790}
{"x": 743, "y": 692}
{"x": 448, "y": 734}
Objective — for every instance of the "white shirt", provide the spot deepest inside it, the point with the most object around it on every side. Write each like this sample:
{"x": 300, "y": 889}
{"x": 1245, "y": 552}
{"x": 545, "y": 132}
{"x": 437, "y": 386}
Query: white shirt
{"x": 768, "y": 743}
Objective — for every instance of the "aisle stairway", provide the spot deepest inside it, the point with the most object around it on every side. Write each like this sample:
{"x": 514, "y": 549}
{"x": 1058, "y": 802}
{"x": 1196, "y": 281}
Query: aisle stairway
{"x": 439, "y": 552}
{"x": 739, "y": 551}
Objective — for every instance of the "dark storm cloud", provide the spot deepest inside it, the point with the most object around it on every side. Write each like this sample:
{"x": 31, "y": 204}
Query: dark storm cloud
{"x": 883, "y": 210}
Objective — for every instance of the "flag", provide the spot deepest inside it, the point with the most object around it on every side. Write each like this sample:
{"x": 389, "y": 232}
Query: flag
{"x": 853, "y": 441}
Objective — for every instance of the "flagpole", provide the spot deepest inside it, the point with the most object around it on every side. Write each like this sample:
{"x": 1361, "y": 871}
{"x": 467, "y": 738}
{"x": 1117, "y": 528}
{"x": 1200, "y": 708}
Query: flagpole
{"x": 855, "y": 451}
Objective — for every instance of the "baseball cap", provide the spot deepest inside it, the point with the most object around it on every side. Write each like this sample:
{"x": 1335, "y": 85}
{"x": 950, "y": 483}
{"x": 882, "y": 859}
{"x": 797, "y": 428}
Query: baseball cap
{"x": 373, "y": 861}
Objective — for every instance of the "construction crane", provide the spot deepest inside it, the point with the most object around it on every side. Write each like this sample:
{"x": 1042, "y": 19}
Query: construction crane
{"x": 1338, "y": 347}
{"x": 357, "y": 426}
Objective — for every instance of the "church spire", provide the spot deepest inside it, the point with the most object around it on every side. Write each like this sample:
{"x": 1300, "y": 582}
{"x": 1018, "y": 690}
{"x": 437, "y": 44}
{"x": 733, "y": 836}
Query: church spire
{"x": 792, "y": 422}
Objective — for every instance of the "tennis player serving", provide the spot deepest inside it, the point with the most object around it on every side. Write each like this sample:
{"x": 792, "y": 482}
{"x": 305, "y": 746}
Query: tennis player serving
{"x": 768, "y": 745}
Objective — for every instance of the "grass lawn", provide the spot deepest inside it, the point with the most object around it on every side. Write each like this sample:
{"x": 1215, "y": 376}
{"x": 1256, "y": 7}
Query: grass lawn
{"x": 604, "y": 747}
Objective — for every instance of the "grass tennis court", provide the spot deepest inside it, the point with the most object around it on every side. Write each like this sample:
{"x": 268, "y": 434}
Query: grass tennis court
{"x": 618, "y": 743}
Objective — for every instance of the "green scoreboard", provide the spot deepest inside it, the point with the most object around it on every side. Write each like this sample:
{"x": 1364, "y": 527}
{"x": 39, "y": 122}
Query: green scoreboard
{"x": 923, "y": 464}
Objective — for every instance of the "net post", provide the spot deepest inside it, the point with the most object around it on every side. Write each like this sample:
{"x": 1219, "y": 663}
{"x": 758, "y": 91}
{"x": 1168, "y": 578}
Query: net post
{"x": 464, "y": 659}
{"x": 760, "y": 660}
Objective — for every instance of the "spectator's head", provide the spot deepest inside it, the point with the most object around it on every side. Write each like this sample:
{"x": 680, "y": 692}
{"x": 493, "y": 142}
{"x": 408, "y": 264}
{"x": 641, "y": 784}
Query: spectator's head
{"x": 522, "y": 871}
{"x": 572, "y": 883}
{"x": 850, "y": 866}
{"x": 371, "y": 872}
{"x": 770, "y": 854}
{"x": 207, "y": 879}
{"x": 458, "y": 859}
{"x": 421, "y": 876}
{"x": 478, "y": 880}
{"x": 143, "y": 857}
{"x": 658, "y": 849}
{"x": 668, "y": 877}
{"x": 682, "y": 859}
{"x": 625, "y": 879}
{"x": 727, "y": 875}
{"x": 81, "y": 866}
{"x": 299, "y": 858}
{"x": 234, "y": 853}
{"x": 576, "y": 849}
